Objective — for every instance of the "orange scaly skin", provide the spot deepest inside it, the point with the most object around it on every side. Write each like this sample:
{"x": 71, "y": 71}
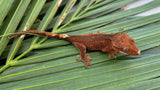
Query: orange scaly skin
{"x": 107, "y": 43}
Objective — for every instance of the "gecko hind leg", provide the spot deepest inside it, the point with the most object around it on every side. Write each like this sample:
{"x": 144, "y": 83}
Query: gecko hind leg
{"x": 86, "y": 61}
{"x": 82, "y": 50}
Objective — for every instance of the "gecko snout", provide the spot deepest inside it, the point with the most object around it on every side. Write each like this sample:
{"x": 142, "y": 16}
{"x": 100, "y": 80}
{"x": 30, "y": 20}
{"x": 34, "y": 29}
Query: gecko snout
{"x": 139, "y": 52}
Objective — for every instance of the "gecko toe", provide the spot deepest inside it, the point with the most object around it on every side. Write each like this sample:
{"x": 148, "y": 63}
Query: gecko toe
{"x": 112, "y": 54}
{"x": 79, "y": 59}
{"x": 87, "y": 63}
{"x": 88, "y": 58}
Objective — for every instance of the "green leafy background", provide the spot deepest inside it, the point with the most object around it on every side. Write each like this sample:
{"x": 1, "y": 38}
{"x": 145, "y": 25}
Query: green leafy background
{"x": 40, "y": 63}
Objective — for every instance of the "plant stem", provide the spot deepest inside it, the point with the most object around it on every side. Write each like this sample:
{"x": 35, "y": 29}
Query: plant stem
{"x": 44, "y": 39}
{"x": 66, "y": 24}
{"x": 27, "y": 51}
{"x": 4, "y": 67}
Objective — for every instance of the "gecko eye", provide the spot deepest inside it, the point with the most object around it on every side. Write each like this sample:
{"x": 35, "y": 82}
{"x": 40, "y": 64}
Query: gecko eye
{"x": 125, "y": 49}
{"x": 132, "y": 40}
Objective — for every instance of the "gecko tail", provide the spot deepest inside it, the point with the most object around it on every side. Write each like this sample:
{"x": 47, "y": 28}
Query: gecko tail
{"x": 14, "y": 35}
{"x": 43, "y": 33}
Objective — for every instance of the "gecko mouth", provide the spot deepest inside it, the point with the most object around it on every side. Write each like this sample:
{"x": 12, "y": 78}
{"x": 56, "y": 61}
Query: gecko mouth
{"x": 122, "y": 52}
{"x": 118, "y": 50}
{"x": 134, "y": 53}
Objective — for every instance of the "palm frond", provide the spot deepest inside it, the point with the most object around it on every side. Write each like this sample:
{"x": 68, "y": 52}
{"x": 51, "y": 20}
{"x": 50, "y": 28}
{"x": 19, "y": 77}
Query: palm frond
{"x": 46, "y": 63}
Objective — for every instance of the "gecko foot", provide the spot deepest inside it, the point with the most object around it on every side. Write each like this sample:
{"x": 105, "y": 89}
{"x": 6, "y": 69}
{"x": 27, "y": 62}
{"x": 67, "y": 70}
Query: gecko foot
{"x": 86, "y": 61}
{"x": 110, "y": 54}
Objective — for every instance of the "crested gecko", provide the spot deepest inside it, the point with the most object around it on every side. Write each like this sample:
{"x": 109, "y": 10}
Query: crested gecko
{"x": 107, "y": 43}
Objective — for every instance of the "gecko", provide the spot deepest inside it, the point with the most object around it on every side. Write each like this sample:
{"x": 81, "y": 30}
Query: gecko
{"x": 107, "y": 43}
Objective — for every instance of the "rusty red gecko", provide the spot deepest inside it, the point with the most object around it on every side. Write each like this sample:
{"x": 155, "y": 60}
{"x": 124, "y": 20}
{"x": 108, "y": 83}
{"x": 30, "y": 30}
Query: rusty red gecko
{"x": 107, "y": 43}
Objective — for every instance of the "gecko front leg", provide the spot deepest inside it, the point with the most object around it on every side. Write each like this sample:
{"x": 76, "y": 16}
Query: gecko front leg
{"x": 82, "y": 50}
{"x": 110, "y": 52}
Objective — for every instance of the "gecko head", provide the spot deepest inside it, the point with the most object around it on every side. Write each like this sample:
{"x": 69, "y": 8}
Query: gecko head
{"x": 124, "y": 44}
